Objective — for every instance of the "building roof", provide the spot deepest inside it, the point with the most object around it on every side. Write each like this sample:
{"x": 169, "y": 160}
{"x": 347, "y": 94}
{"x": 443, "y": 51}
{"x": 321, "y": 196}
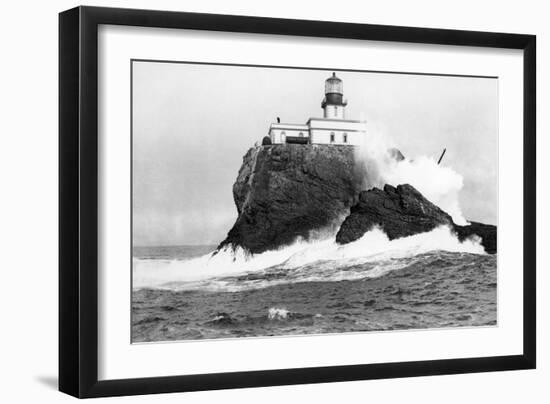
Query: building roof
{"x": 295, "y": 126}
{"x": 334, "y": 119}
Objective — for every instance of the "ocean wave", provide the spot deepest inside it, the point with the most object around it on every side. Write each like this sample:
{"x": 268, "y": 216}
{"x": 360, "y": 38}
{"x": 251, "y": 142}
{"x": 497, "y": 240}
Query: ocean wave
{"x": 373, "y": 255}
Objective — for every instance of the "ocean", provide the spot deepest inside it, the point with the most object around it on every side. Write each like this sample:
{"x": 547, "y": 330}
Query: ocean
{"x": 429, "y": 280}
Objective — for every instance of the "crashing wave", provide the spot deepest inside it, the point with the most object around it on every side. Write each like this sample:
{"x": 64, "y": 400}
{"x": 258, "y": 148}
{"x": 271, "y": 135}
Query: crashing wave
{"x": 372, "y": 255}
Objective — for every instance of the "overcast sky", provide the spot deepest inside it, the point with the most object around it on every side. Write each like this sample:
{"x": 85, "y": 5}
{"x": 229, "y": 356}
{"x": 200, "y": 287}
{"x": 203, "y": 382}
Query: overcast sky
{"x": 192, "y": 124}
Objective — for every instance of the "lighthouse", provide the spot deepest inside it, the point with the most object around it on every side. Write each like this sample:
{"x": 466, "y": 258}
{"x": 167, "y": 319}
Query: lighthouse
{"x": 333, "y": 128}
{"x": 334, "y": 104}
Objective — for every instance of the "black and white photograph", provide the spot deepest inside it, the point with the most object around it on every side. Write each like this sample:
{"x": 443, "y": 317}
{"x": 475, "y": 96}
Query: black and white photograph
{"x": 276, "y": 201}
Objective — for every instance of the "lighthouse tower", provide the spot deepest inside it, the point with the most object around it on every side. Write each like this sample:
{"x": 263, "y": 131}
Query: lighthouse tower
{"x": 334, "y": 104}
{"x": 332, "y": 129}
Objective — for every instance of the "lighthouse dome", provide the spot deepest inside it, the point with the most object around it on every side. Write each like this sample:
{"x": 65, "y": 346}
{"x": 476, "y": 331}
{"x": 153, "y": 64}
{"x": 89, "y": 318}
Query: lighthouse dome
{"x": 334, "y": 96}
{"x": 334, "y": 85}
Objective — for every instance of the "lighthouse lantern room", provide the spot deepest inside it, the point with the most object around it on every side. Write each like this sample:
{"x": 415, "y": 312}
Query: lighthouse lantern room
{"x": 334, "y": 104}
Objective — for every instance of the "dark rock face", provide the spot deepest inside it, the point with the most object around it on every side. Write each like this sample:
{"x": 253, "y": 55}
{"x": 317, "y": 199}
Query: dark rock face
{"x": 400, "y": 212}
{"x": 285, "y": 191}
{"x": 487, "y": 232}
{"x": 396, "y": 154}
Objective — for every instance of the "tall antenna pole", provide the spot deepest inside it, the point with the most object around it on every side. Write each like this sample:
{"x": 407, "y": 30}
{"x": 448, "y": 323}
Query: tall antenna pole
{"x": 441, "y": 157}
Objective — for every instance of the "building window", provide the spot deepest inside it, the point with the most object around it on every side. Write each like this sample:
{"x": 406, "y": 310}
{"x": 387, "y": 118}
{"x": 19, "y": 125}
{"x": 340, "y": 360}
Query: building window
{"x": 332, "y": 137}
{"x": 283, "y": 137}
{"x": 345, "y": 137}
{"x": 301, "y": 134}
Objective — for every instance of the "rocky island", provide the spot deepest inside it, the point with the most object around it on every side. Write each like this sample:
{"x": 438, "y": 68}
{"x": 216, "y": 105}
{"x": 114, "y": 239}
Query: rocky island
{"x": 289, "y": 191}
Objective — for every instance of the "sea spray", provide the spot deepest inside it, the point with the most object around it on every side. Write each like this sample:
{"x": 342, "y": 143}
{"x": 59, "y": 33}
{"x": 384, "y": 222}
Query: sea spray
{"x": 440, "y": 184}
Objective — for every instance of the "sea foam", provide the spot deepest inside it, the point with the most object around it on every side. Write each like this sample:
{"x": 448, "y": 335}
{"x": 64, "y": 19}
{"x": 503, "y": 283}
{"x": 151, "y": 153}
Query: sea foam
{"x": 303, "y": 261}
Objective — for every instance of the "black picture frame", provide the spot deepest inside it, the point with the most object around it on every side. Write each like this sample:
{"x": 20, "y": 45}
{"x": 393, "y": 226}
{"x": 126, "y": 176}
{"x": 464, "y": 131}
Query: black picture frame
{"x": 78, "y": 201}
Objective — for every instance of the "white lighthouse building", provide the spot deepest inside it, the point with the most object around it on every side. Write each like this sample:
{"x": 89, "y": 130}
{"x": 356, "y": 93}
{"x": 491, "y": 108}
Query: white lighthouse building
{"x": 332, "y": 128}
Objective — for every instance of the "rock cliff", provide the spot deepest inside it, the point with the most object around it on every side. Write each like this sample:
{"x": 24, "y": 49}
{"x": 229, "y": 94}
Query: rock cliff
{"x": 403, "y": 211}
{"x": 400, "y": 212}
{"x": 487, "y": 232}
{"x": 286, "y": 191}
